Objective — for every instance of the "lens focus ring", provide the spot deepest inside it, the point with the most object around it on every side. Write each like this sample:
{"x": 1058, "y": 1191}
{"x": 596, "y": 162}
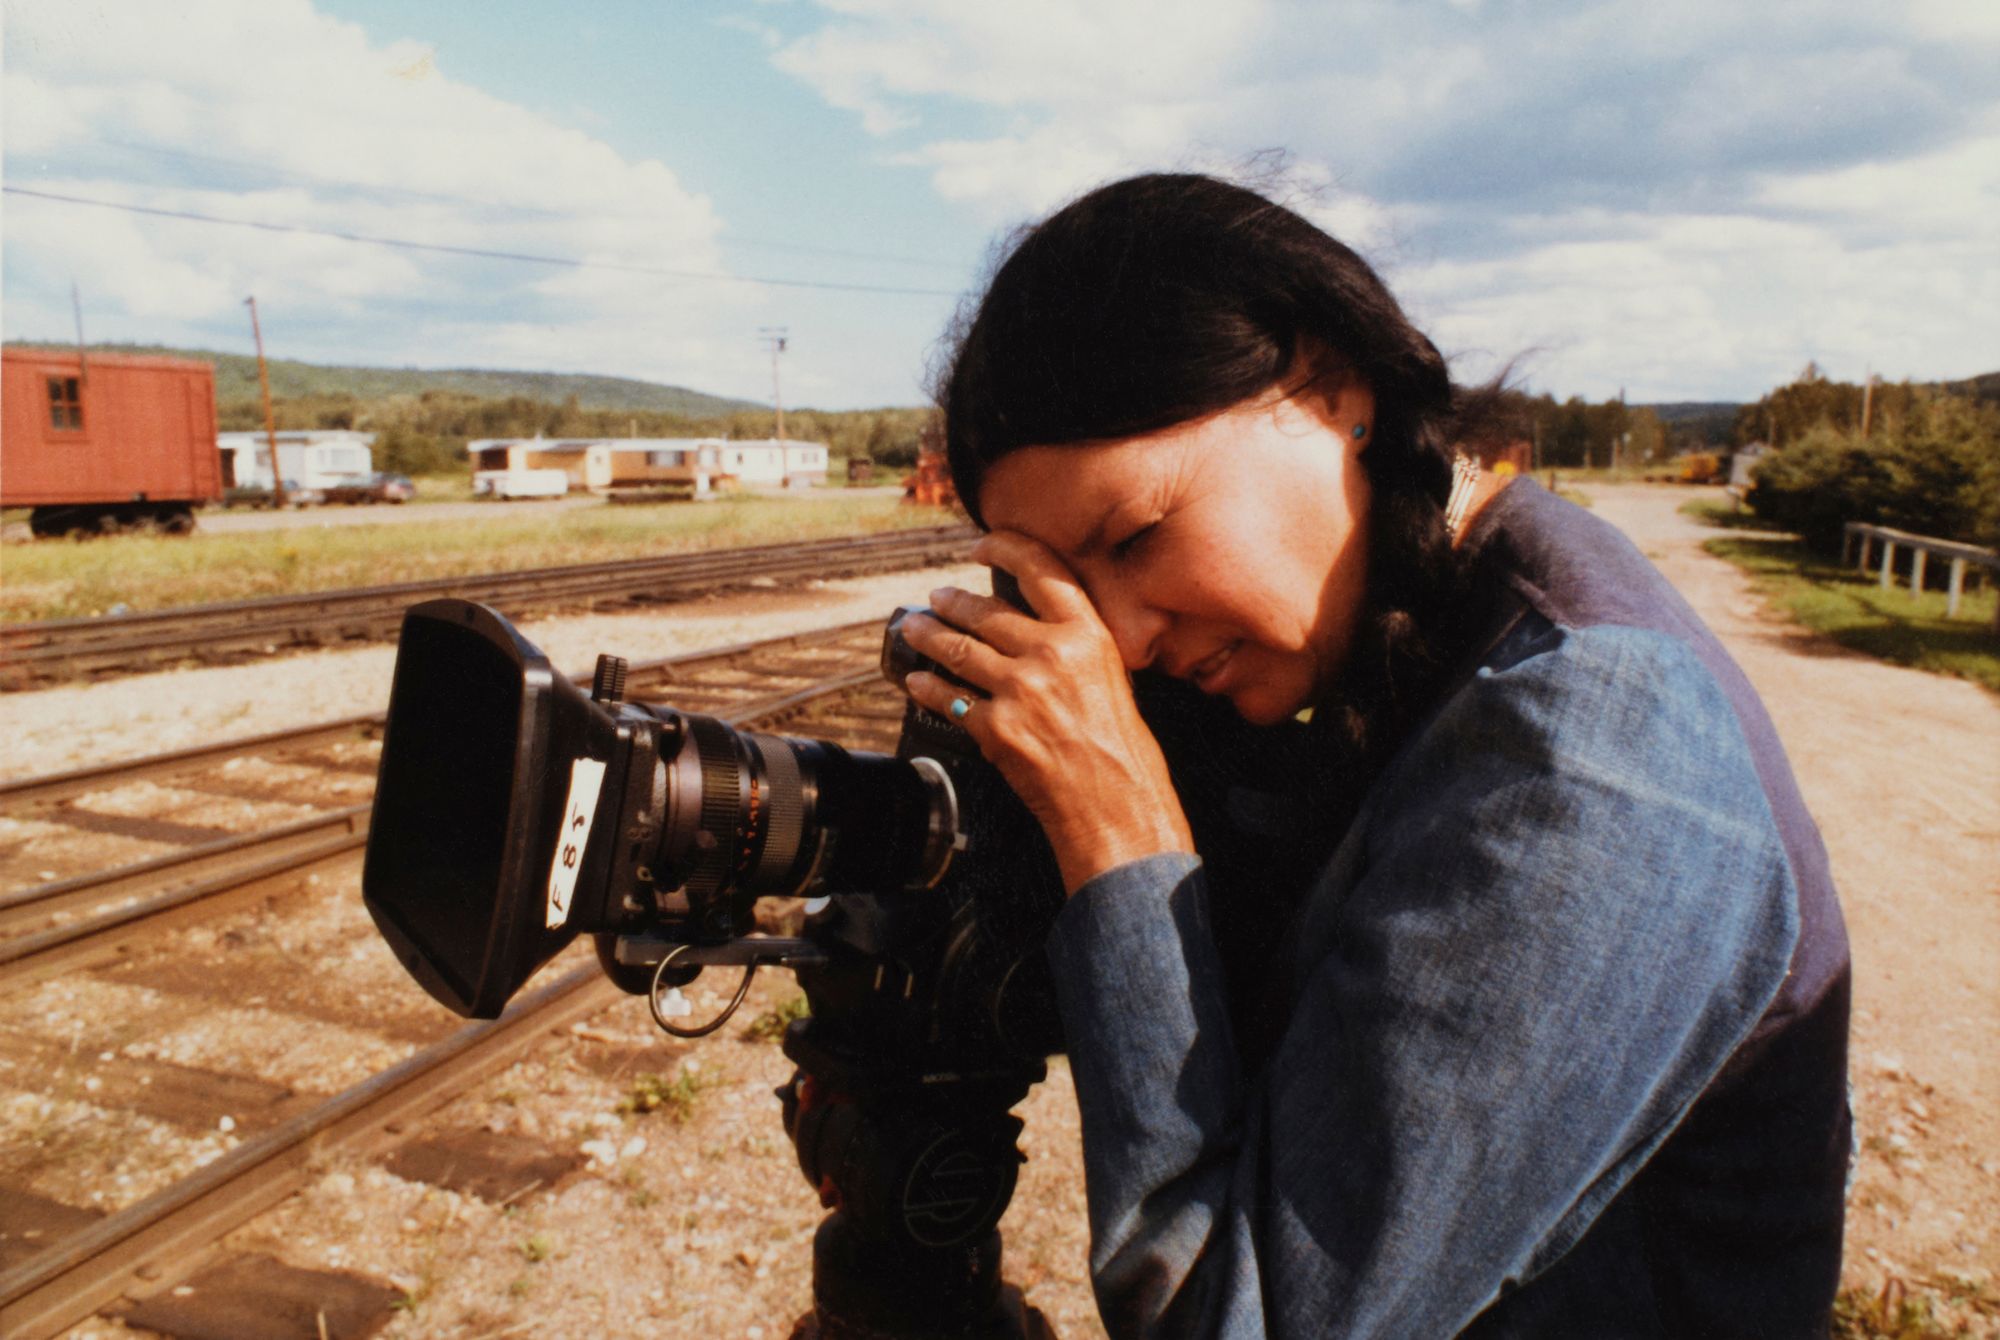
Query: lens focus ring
{"x": 721, "y": 802}
{"x": 784, "y": 802}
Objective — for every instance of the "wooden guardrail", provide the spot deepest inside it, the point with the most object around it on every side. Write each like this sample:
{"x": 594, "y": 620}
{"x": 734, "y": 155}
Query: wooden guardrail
{"x": 1921, "y": 547}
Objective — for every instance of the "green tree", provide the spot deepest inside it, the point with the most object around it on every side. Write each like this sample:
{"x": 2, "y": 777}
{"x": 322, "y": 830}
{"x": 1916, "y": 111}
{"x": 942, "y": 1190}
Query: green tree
{"x": 1933, "y": 469}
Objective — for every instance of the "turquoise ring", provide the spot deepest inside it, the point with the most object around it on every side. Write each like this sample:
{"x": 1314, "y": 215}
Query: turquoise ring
{"x": 959, "y": 707}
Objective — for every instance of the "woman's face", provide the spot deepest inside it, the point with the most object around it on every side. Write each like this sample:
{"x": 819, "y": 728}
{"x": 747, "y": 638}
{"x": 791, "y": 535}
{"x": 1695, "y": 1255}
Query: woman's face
{"x": 1229, "y": 551}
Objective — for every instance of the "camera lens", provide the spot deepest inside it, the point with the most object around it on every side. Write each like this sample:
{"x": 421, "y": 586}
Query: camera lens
{"x": 753, "y": 815}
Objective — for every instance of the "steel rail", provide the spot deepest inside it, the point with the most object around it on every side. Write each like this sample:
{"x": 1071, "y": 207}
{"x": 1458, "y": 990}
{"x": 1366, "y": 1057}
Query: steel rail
{"x": 161, "y": 1237}
{"x": 262, "y": 864}
{"x": 79, "y": 781}
{"x": 47, "y": 648}
{"x": 222, "y": 612}
{"x": 51, "y": 787}
{"x": 21, "y": 909}
{"x": 305, "y": 631}
{"x": 337, "y": 615}
{"x": 216, "y": 874}
{"x": 106, "y": 935}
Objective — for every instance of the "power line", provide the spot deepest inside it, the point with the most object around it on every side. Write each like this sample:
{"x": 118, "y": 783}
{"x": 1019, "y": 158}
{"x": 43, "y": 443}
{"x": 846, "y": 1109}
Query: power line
{"x": 292, "y": 175}
{"x": 481, "y": 253}
{"x": 534, "y": 211}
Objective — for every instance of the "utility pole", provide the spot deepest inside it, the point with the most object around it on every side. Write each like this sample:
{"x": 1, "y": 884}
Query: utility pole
{"x": 774, "y": 338}
{"x": 1621, "y": 437}
{"x": 270, "y": 424}
{"x": 1867, "y": 402}
{"x": 82, "y": 354}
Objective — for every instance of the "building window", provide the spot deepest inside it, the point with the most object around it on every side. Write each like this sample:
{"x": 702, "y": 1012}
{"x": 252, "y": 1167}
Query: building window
{"x": 65, "y": 404}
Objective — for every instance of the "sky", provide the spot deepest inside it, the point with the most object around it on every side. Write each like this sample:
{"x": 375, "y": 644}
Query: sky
{"x": 1682, "y": 202}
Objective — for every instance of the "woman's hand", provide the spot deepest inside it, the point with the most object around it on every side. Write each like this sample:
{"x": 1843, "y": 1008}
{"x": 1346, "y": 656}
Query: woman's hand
{"x": 1057, "y": 717}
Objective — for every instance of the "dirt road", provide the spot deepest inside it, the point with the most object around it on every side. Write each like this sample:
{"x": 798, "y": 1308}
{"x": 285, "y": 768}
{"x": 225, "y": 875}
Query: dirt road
{"x": 1902, "y": 771}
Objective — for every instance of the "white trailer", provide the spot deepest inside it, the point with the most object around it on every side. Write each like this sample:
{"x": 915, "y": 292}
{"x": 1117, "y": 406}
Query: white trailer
{"x": 314, "y": 459}
{"x": 701, "y": 464}
{"x": 505, "y": 484}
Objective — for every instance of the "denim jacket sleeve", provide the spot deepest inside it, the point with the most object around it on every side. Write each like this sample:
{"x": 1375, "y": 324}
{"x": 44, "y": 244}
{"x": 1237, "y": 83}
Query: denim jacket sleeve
{"x": 1563, "y": 906}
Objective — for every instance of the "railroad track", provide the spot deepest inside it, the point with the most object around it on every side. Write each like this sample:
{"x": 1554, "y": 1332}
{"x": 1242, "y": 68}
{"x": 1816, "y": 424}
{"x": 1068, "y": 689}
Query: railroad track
{"x": 77, "y": 952}
{"x": 57, "y": 649}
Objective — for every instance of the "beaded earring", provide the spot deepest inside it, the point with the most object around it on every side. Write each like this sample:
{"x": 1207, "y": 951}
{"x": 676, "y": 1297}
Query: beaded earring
{"x": 1360, "y": 431}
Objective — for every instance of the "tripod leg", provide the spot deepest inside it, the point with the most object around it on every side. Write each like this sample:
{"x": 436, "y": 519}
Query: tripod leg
{"x": 917, "y": 1181}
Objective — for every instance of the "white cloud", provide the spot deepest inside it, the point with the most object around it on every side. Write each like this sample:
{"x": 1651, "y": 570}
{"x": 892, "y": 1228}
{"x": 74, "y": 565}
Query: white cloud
{"x": 1680, "y": 305}
{"x": 1051, "y": 53}
{"x": 291, "y": 117}
{"x": 1690, "y": 200}
{"x": 1928, "y": 194}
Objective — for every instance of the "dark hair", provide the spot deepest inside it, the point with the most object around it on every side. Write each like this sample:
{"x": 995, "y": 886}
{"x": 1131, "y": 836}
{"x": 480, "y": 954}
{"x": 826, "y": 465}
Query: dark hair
{"x": 1161, "y": 299}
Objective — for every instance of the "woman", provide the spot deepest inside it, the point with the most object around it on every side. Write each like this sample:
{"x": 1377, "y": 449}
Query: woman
{"x": 1506, "y": 995}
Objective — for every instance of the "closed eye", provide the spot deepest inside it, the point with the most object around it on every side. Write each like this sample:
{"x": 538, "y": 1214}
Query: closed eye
{"x": 1128, "y": 546}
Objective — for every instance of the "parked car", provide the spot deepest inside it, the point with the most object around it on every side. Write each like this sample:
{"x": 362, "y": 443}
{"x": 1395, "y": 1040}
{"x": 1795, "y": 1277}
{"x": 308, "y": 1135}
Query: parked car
{"x": 378, "y": 487}
{"x": 260, "y": 495}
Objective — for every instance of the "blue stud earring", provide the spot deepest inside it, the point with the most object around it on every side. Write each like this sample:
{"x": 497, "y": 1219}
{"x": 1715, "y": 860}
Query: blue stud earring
{"x": 1360, "y": 431}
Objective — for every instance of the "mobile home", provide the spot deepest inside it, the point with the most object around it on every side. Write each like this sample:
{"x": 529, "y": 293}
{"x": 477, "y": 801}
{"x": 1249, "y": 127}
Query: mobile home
{"x": 314, "y": 459}
{"x": 699, "y": 464}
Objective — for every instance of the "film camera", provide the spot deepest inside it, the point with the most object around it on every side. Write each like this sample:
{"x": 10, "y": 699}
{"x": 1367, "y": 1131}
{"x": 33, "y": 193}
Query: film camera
{"x": 514, "y": 812}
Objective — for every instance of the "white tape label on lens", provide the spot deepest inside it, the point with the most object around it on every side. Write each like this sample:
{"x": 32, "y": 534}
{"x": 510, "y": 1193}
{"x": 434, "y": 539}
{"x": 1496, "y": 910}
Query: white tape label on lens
{"x": 586, "y": 779}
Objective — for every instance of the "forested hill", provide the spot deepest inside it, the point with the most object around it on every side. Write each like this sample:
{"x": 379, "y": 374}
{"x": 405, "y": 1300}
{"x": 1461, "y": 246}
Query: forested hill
{"x": 1986, "y": 386}
{"x": 236, "y": 381}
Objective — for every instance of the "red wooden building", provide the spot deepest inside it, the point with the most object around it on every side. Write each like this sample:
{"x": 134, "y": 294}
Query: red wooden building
{"x": 107, "y": 442}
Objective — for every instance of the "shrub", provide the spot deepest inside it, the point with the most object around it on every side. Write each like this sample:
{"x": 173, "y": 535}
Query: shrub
{"x": 771, "y": 1024}
{"x": 1934, "y": 471}
{"x": 657, "y": 1093}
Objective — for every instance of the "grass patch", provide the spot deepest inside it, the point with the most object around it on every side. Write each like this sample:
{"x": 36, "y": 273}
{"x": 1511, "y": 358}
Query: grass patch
{"x": 1724, "y": 517}
{"x": 55, "y": 579}
{"x": 657, "y": 1093}
{"x": 453, "y": 487}
{"x": 1896, "y": 1312}
{"x": 771, "y": 1024}
{"x": 1852, "y": 609}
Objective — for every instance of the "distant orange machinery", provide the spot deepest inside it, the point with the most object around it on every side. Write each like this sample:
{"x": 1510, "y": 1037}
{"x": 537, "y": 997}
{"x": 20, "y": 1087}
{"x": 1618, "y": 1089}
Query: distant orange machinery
{"x": 930, "y": 484}
{"x": 1703, "y": 467}
{"x": 1691, "y": 467}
